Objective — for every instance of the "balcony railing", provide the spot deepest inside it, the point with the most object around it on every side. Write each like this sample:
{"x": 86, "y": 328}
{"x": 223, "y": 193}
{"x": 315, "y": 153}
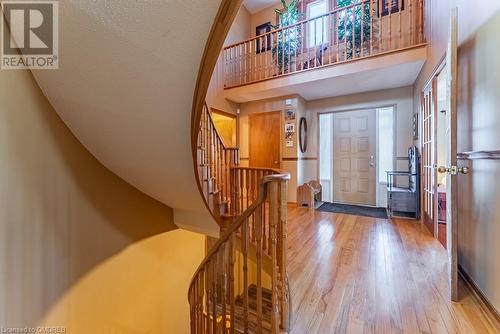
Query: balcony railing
{"x": 357, "y": 31}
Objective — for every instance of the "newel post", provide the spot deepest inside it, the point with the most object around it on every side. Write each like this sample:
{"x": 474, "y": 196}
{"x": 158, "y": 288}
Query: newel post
{"x": 273, "y": 227}
{"x": 282, "y": 254}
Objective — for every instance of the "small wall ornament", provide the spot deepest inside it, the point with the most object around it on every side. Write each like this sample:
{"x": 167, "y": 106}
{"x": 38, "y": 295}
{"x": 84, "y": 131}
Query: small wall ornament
{"x": 303, "y": 135}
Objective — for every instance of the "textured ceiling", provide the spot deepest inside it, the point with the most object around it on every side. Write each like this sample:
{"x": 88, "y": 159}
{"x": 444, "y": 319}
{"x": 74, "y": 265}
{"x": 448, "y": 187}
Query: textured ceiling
{"x": 125, "y": 88}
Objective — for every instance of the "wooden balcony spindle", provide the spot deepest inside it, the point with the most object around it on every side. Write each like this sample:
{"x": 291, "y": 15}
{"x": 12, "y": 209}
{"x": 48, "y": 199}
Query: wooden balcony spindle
{"x": 353, "y": 9}
{"x": 315, "y": 45}
{"x": 245, "y": 245}
{"x": 323, "y": 32}
{"x": 362, "y": 29}
{"x": 380, "y": 19}
{"x": 421, "y": 21}
{"x": 223, "y": 279}
{"x": 371, "y": 11}
{"x": 344, "y": 18}
{"x": 400, "y": 7}
{"x": 303, "y": 44}
{"x": 267, "y": 39}
{"x": 289, "y": 53}
{"x": 229, "y": 67}
{"x": 213, "y": 281}
{"x": 389, "y": 28}
{"x": 297, "y": 37}
{"x": 241, "y": 189}
{"x": 282, "y": 51}
{"x": 201, "y": 290}
{"x": 330, "y": 38}
{"x": 258, "y": 237}
{"x": 232, "y": 294}
{"x": 410, "y": 19}
{"x": 242, "y": 63}
{"x": 232, "y": 181}
{"x": 207, "y": 297}
{"x": 337, "y": 44}
{"x": 273, "y": 221}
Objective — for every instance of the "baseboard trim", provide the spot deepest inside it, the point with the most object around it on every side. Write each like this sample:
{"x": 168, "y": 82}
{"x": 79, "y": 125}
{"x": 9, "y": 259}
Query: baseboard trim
{"x": 483, "y": 300}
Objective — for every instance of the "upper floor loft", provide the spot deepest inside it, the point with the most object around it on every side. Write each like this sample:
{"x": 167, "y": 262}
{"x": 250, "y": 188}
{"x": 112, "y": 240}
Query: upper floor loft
{"x": 311, "y": 47}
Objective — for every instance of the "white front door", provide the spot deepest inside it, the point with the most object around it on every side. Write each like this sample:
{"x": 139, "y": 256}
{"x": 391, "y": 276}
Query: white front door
{"x": 354, "y": 147}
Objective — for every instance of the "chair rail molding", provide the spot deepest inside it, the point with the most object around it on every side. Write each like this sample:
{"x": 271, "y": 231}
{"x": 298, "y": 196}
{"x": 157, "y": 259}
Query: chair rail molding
{"x": 479, "y": 155}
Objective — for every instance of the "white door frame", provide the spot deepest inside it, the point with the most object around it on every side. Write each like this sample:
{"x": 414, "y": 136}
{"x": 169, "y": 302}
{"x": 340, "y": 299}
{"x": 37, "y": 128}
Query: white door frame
{"x": 364, "y": 108}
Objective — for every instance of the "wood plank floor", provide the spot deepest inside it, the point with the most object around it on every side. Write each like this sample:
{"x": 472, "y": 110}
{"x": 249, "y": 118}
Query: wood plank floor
{"x": 351, "y": 274}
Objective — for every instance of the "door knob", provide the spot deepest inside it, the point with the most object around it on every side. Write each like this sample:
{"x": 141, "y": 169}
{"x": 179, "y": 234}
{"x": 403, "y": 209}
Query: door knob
{"x": 453, "y": 170}
{"x": 276, "y": 162}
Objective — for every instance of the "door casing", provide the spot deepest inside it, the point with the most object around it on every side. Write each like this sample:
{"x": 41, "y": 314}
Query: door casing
{"x": 273, "y": 139}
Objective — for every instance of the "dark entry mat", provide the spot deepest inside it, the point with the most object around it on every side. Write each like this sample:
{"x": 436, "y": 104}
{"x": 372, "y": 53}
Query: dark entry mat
{"x": 357, "y": 210}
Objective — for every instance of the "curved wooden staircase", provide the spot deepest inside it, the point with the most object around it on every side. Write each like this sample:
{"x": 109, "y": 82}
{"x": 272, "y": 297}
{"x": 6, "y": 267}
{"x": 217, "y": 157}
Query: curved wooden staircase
{"x": 241, "y": 286}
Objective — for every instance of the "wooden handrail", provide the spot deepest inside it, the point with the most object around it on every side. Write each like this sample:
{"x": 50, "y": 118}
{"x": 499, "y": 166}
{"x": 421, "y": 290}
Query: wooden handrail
{"x": 214, "y": 160}
{"x": 212, "y": 292}
{"x": 237, "y": 223}
{"x": 348, "y": 33}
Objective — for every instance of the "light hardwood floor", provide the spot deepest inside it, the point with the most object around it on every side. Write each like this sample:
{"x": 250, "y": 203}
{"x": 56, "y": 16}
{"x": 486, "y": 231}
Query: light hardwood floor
{"x": 351, "y": 274}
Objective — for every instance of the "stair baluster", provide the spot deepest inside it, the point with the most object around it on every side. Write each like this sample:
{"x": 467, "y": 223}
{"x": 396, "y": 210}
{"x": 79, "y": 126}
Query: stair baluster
{"x": 250, "y": 205}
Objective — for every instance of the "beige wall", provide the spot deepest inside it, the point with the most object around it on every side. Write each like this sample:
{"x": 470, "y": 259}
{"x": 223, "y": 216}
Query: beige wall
{"x": 289, "y": 156}
{"x": 79, "y": 247}
{"x": 263, "y": 16}
{"x": 478, "y": 123}
{"x": 402, "y": 98}
{"x": 304, "y": 166}
{"x": 240, "y": 30}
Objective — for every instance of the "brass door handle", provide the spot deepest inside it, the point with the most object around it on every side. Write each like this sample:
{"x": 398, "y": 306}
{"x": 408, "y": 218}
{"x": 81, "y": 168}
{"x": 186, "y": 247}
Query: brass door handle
{"x": 453, "y": 170}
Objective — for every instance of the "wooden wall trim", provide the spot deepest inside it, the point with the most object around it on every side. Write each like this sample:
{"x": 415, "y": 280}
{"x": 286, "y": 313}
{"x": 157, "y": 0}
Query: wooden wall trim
{"x": 223, "y": 113}
{"x": 477, "y": 155}
{"x": 485, "y": 304}
{"x": 300, "y": 159}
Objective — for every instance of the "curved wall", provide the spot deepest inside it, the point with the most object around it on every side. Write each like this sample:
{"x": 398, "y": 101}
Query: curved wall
{"x": 125, "y": 86}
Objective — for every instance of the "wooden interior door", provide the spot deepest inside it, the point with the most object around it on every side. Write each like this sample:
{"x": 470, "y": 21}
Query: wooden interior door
{"x": 264, "y": 141}
{"x": 354, "y": 147}
{"x": 452, "y": 170}
{"x": 429, "y": 157}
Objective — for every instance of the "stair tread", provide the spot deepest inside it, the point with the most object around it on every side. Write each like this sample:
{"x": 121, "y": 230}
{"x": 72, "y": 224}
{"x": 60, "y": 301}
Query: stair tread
{"x": 252, "y": 311}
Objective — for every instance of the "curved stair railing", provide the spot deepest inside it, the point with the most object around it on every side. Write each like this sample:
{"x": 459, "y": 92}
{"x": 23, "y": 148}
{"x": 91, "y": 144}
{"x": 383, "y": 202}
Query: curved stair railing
{"x": 214, "y": 162}
{"x": 241, "y": 286}
{"x": 232, "y": 291}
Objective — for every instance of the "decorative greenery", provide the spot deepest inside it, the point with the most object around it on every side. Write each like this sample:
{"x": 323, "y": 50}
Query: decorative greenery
{"x": 288, "y": 39}
{"x": 349, "y": 21}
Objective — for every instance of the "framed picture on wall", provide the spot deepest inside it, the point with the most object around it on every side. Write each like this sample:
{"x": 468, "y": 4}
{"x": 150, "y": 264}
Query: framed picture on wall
{"x": 263, "y": 44}
{"x": 415, "y": 126}
{"x": 392, "y": 5}
{"x": 289, "y": 115}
